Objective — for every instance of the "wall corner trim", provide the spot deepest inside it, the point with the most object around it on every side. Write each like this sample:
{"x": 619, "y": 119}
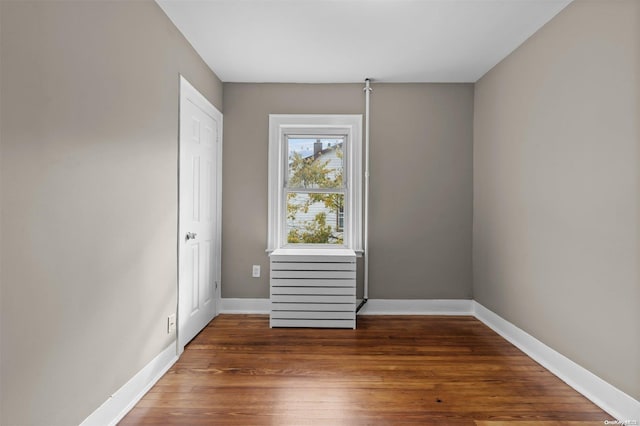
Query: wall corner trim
{"x": 611, "y": 399}
{"x": 125, "y": 398}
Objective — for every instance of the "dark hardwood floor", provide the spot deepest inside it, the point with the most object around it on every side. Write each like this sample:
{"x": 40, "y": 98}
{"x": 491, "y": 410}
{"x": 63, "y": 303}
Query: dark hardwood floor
{"x": 392, "y": 370}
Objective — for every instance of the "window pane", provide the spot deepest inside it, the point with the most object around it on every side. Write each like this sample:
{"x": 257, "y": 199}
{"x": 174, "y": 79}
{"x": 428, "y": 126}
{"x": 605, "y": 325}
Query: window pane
{"x": 314, "y": 218}
{"x": 315, "y": 162}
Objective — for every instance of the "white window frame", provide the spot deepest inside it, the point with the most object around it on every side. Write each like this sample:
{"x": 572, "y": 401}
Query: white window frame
{"x": 281, "y": 125}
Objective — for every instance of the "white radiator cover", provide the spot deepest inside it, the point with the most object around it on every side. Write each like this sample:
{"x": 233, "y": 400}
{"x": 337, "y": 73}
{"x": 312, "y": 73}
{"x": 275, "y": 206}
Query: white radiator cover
{"x": 313, "y": 288}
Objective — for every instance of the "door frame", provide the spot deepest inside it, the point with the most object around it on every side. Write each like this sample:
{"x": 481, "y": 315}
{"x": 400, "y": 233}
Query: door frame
{"x": 189, "y": 93}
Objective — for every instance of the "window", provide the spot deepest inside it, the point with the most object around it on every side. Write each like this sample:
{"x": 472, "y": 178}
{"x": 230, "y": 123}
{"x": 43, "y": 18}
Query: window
{"x": 315, "y": 196}
{"x": 340, "y": 218}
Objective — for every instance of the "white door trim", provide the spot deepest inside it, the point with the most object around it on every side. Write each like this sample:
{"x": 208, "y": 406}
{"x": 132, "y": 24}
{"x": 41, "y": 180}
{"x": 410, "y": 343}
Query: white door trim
{"x": 188, "y": 91}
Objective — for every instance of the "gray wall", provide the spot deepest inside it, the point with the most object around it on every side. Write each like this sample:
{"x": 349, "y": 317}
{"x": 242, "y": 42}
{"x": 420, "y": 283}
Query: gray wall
{"x": 556, "y": 190}
{"x": 89, "y": 199}
{"x": 421, "y": 179}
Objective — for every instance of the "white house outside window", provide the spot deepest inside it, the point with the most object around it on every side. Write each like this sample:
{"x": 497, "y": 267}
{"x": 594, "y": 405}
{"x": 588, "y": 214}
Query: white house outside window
{"x": 315, "y": 195}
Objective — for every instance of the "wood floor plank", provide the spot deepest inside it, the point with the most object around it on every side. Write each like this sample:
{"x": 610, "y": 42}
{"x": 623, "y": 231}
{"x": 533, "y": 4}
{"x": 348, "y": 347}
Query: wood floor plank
{"x": 390, "y": 370}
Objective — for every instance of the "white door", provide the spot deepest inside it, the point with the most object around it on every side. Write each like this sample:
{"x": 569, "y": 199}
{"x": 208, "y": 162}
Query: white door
{"x": 199, "y": 212}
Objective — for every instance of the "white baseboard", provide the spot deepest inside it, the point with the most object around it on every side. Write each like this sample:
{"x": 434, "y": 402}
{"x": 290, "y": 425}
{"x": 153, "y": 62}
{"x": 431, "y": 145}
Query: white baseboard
{"x": 125, "y": 398}
{"x": 372, "y": 307}
{"x": 609, "y": 398}
{"x": 245, "y": 306}
{"x": 417, "y": 307}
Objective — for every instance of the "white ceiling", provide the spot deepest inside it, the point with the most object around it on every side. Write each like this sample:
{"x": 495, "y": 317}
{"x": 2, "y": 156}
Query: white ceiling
{"x": 340, "y": 41}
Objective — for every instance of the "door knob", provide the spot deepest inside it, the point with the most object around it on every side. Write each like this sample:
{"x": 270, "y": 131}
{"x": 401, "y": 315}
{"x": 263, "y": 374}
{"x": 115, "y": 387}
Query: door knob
{"x": 191, "y": 236}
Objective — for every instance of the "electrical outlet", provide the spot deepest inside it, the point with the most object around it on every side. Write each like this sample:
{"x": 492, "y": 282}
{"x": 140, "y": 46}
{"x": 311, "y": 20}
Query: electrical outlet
{"x": 171, "y": 323}
{"x": 255, "y": 272}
